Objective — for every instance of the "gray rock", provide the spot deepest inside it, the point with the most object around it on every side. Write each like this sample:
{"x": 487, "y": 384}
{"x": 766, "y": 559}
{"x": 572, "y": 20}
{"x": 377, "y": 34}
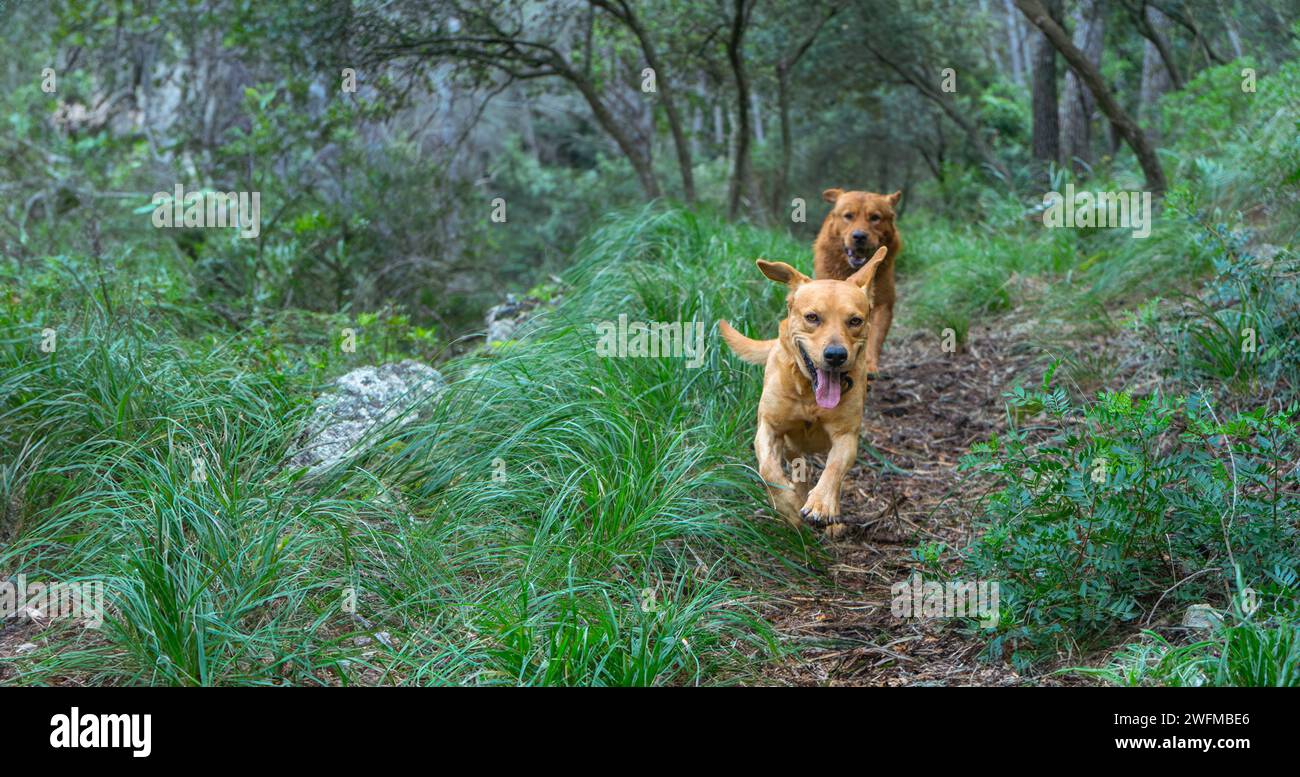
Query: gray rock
{"x": 25, "y": 615}
{"x": 359, "y": 403}
{"x": 1201, "y": 616}
{"x": 503, "y": 320}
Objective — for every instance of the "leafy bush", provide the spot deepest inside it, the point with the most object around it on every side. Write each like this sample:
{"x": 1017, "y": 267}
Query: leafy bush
{"x": 1246, "y": 653}
{"x": 1240, "y": 148}
{"x": 1244, "y": 328}
{"x": 1212, "y": 107}
{"x": 1102, "y": 509}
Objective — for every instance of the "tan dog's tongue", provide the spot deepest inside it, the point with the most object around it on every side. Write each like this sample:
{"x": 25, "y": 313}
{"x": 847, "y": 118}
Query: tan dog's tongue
{"x": 828, "y": 389}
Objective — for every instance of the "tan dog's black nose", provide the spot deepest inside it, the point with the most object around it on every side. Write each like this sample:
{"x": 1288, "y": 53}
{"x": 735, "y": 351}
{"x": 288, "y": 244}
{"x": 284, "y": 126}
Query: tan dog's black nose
{"x": 835, "y": 355}
{"x": 859, "y": 236}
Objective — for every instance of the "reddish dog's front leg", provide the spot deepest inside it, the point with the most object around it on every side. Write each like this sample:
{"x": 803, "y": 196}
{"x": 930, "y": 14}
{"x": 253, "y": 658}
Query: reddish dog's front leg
{"x": 881, "y": 317}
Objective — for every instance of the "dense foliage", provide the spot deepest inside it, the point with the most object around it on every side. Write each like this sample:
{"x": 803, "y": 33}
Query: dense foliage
{"x": 560, "y": 518}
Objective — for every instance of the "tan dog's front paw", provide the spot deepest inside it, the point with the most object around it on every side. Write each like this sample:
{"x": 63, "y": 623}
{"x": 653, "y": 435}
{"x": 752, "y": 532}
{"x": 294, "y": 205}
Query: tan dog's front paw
{"x": 818, "y": 511}
{"x": 785, "y": 504}
{"x": 838, "y": 531}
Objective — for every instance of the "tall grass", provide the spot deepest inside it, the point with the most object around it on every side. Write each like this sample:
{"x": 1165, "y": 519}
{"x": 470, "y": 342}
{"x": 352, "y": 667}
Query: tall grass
{"x": 1243, "y": 653}
{"x": 603, "y": 505}
{"x": 553, "y": 517}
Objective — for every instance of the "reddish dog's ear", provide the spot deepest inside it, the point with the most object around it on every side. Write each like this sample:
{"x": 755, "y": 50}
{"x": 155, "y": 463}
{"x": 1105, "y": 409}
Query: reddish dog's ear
{"x": 862, "y": 278}
{"x": 831, "y": 195}
{"x": 782, "y": 273}
{"x": 895, "y": 197}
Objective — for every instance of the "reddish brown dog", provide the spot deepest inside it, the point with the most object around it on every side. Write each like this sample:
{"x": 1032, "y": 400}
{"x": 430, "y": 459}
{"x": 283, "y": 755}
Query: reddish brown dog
{"x": 860, "y": 223}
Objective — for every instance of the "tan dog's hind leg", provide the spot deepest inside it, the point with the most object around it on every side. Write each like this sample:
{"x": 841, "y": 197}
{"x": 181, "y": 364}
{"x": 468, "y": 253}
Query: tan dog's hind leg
{"x": 769, "y": 447}
{"x": 823, "y": 505}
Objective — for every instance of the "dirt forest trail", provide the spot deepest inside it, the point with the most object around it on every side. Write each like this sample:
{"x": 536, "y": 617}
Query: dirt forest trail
{"x": 921, "y": 417}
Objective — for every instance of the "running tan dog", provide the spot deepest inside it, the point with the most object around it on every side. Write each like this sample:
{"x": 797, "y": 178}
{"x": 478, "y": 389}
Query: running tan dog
{"x": 859, "y": 223}
{"x": 814, "y": 386}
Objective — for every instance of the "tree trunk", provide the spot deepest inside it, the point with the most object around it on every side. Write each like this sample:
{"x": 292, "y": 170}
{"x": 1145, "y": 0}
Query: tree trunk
{"x": 1014, "y": 44}
{"x": 526, "y": 59}
{"x": 783, "y": 68}
{"x": 636, "y": 155}
{"x": 1091, "y": 77}
{"x": 1079, "y": 104}
{"x": 1187, "y": 20}
{"x": 779, "y": 202}
{"x": 697, "y": 129}
{"x": 1153, "y": 25}
{"x": 1234, "y": 37}
{"x": 742, "y": 171}
{"x": 1157, "y": 78}
{"x": 527, "y": 133}
{"x": 1046, "y": 128}
{"x": 992, "y": 51}
{"x": 625, "y": 14}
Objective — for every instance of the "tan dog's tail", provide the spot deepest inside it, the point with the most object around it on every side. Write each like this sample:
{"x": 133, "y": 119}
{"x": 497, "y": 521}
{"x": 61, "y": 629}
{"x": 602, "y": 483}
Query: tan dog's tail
{"x": 752, "y": 351}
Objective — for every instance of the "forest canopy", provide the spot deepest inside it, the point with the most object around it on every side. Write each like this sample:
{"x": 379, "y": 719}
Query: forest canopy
{"x": 314, "y": 354}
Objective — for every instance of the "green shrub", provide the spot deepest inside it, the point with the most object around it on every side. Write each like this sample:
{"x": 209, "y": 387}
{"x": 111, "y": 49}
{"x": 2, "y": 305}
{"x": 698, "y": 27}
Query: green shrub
{"x": 1247, "y": 653}
{"x": 1211, "y": 108}
{"x": 1101, "y": 509}
{"x": 1244, "y": 328}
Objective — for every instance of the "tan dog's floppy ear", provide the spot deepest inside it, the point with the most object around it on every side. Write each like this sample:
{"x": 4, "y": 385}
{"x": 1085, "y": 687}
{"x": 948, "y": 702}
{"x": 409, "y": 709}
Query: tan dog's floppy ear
{"x": 782, "y": 273}
{"x": 831, "y": 195}
{"x": 895, "y": 197}
{"x": 862, "y": 278}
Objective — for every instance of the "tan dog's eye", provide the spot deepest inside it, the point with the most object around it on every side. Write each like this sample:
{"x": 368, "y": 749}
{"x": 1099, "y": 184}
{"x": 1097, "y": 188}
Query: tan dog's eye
{"x": 855, "y": 321}
{"x": 848, "y": 216}
{"x": 875, "y": 217}
{"x": 811, "y": 318}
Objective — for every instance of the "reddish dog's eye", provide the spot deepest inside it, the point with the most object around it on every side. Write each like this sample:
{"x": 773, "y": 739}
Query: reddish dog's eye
{"x": 855, "y": 321}
{"x": 875, "y": 217}
{"x": 811, "y": 318}
{"x": 848, "y": 216}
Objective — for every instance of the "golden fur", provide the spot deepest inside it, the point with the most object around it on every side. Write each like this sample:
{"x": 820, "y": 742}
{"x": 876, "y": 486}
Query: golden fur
{"x": 817, "y": 357}
{"x": 858, "y": 225}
